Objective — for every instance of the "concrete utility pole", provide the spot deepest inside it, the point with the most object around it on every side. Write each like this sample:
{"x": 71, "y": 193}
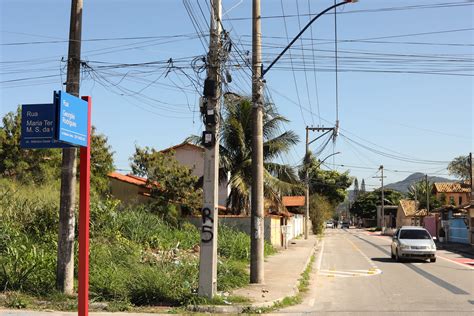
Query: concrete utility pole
{"x": 382, "y": 211}
{"x": 306, "y": 200}
{"x": 326, "y": 130}
{"x": 427, "y": 194}
{"x": 383, "y": 201}
{"x": 470, "y": 177}
{"x": 65, "y": 258}
{"x": 257, "y": 198}
{"x": 210, "y": 213}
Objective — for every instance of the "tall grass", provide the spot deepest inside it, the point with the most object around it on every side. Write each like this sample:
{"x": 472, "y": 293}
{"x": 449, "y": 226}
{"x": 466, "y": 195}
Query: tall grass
{"x": 136, "y": 256}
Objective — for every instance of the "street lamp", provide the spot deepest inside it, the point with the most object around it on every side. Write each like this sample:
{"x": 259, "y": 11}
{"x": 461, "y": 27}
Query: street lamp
{"x": 257, "y": 212}
{"x": 303, "y": 30}
{"x": 306, "y": 217}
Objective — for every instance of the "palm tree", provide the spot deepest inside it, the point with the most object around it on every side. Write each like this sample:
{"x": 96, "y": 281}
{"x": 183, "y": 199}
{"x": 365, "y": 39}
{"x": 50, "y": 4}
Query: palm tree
{"x": 236, "y": 152}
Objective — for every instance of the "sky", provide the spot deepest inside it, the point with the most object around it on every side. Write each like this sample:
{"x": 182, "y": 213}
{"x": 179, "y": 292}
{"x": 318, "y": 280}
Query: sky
{"x": 404, "y": 80}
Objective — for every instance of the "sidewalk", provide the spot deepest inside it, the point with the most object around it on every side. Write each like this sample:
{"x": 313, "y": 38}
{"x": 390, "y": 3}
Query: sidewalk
{"x": 282, "y": 272}
{"x": 464, "y": 249}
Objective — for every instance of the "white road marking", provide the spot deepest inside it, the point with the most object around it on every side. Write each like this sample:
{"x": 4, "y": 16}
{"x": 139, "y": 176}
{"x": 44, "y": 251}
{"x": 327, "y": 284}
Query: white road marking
{"x": 320, "y": 258}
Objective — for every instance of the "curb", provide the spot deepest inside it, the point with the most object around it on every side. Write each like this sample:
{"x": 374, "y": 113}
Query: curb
{"x": 238, "y": 309}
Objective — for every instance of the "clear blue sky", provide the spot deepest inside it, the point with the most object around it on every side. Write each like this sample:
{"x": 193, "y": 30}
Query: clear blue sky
{"x": 405, "y": 73}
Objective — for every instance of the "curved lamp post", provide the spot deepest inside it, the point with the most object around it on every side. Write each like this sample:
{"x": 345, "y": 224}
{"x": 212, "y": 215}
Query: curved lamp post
{"x": 257, "y": 212}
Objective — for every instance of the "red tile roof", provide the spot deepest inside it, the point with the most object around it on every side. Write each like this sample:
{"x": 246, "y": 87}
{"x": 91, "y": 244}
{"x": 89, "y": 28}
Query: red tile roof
{"x": 451, "y": 187}
{"x": 129, "y": 178}
{"x": 293, "y": 200}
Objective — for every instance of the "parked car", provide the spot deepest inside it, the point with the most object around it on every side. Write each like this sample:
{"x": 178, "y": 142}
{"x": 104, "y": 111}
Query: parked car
{"x": 345, "y": 224}
{"x": 413, "y": 242}
{"x": 329, "y": 224}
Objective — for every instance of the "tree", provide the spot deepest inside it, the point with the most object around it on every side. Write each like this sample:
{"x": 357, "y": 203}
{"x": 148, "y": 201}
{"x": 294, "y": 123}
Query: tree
{"x": 236, "y": 158}
{"x": 417, "y": 191}
{"x": 330, "y": 184}
{"x": 366, "y": 205}
{"x": 102, "y": 161}
{"x": 170, "y": 182}
{"x": 356, "y": 188}
{"x": 320, "y": 211}
{"x": 362, "y": 187}
{"x": 459, "y": 167}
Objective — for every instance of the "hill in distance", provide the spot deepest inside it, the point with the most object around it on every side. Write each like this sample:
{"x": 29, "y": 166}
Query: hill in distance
{"x": 402, "y": 186}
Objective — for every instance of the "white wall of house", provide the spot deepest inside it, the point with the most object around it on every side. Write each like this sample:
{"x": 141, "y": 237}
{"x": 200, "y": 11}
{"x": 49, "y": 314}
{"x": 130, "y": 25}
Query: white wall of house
{"x": 193, "y": 157}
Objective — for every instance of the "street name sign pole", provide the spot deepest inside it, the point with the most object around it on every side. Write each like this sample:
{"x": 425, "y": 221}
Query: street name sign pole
{"x": 66, "y": 123}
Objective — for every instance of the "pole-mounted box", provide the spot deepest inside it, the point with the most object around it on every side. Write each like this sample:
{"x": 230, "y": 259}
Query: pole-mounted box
{"x": 208, "y": 139}
{"x": 210, "y": 117}
{"x": 209, "y": 88}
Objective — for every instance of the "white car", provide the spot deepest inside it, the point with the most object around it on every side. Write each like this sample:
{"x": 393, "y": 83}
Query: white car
{"x": 413, "y": 242}
{"x": 329, "y": 224}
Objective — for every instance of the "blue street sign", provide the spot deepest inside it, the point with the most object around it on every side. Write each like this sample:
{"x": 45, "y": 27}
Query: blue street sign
{"x": 72, "y": 119}
{"x": 38, "y": 124}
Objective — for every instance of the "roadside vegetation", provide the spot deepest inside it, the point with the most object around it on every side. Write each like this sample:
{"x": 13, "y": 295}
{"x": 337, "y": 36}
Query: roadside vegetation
{"x": 137, "y": 257}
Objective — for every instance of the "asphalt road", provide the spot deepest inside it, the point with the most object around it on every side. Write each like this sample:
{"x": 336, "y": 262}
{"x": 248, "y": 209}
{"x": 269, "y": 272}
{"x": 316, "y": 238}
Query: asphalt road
{"x": 354, "y": 275}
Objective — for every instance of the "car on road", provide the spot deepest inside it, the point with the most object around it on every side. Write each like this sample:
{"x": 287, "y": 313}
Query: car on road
{"x": 413, "y": 242}
{"x": 329, "y": 224}
{"x": 345, "y": 224}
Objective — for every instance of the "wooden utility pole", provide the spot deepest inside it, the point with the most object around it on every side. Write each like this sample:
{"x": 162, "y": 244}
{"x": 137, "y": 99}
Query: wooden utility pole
{"x": 257, "y": 198}
{"x": 65, "y": 259}
{"x": 210, "y": 212}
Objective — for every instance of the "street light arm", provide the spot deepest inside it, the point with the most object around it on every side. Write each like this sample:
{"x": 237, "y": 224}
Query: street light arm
{"x": 321, "y": 162}
{"x": 301, "y": 32}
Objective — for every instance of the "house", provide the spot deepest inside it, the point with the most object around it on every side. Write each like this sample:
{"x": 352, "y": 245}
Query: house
{"x": 408, "y": 214}
{"x": 192, "y": 156}
{"x": 128, "y": 188}
{"x": 452, "y": 193}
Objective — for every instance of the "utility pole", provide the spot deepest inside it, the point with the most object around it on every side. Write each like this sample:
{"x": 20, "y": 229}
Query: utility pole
{"x": 383, "y": 202}
{"x": 427, "y": 194}
{"x": 470, "y": 176}
{"x": 325, "y": 130}
{"x": 306, "y": 157}
{"x": 257, "y": 198}
{"x": 382, "y": 211}
{"x": 65, "y": 256}
{"x": 210, "y": 111}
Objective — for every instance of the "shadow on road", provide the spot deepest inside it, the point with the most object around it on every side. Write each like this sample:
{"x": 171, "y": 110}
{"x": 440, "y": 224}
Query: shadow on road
{"x": 390, "y": 260}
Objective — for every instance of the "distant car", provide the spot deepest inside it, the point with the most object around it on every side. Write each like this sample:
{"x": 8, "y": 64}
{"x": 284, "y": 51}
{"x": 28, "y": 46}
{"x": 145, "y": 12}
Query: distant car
{"x": 413, "y": 242}
{"x": 345, "y": 224}
{"x": 329, "y": 224}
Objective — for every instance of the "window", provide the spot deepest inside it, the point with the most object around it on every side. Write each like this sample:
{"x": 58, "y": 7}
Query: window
{"x": 460, "y": 200}
{"x": 414, "y": 234}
